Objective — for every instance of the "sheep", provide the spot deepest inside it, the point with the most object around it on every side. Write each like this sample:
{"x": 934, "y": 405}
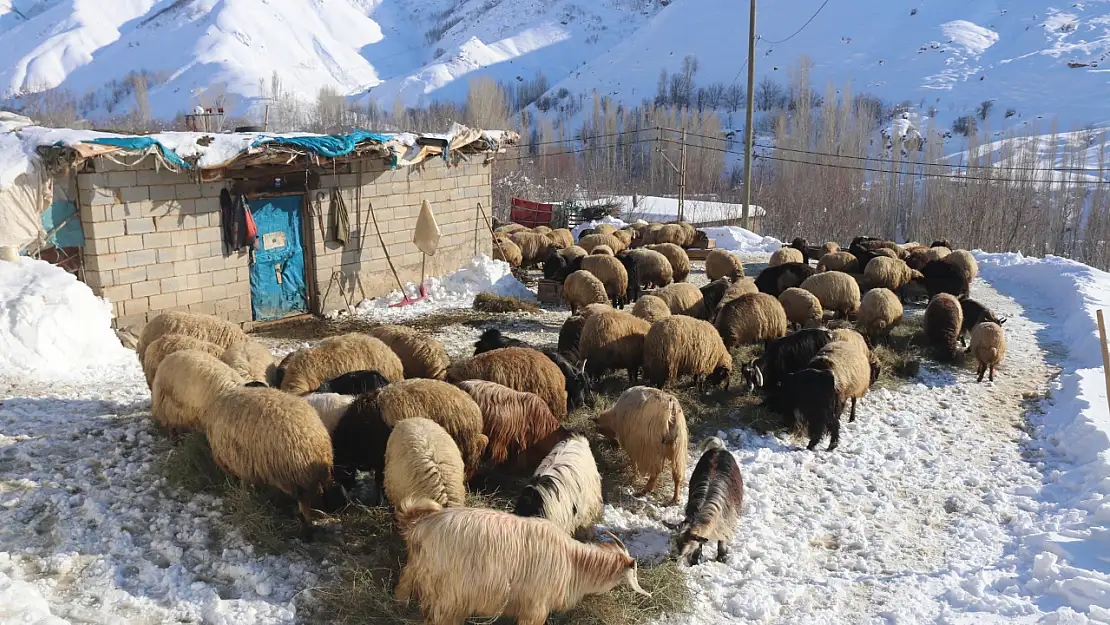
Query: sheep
{"x": 650, "y": 232}
{"x": 572, "y": 252}
{"x": 561, "y": 238}
{"x": 683, "y": 345}
{"x": 602, "y": 250}
{"x": 533, "y": 247}
{"x": 579, "y": 387}
{"x": 625, "y": 237}
{"x": 939, "y": 276}
{"x": 701, "y": 240}
{"x": 605, "y": 228}
{"x": 252, "y": 361}
{"x": 714, "y": 504}
{"x": 712, "y": 293}
{"x": 802, "y": 308}
{"x": 422, "y": 461}
{"x": 849, "y": 358}
{"x": 885, "y": 252}
{"x": 447, "y": 405}
{"x": 506, "y": 250}
{"x": 330, "y": 406}
{"x": 722, "y": 263}
{"x": 595, "y": 309}
{"x": 937, "y": 253}
{"x": 635, "y": 280}
{"x": 889, "y": 273}
{"x": 682, "y": 299}
{"x": 512, "y": 421}
{"x": 186, "y": 384}
{"x": 670, "y": 233}
{"x": 975, "y": 313}
{"x": 651, "y": 309}
{"x": 353, "y": 383}
{"x": 830, "y": 247}
{"x": 916, "y": 257}
{"x": 279, "y": 373}
{"x": 359, "y": 441}
{"x": 943, "y": 320}
{"x": 679, "y": 259}
{"x": 336, "y": 355}
{"x": 649, "y": 425}
{"x": 475, "y": 562}
{"x": 879, "y": 311}
{"x": 786, "y": 255}
{"x": 838, "y": 261}
{"x": 511, "y": 228}
{"x": 541, "y": 229}
{"x": 966, "y": 262}
{"x": 565, "y": 488}
{"x": 690, "y": 233}
{"x": 589, "y": 242}
{"x": 492, "y": 339}
{"x": 203, "y": 327}
{"x": 940, "y": 243}
{"x": 783, "y": 356}
{"x": 585, "y": 232}
{"x": 988, "y": 345}
{"x": 582, "y": 288}
{"x": 612, "y": 274}
{"x": 614, "y": 340}
{"x": 774, "y": 280}
{"x": 655, "y": 268}
{"x": 837, "y": 291}
{"x": 802, "y": 246}
{"x": 168, "y": 344}
{"x": 518, "y": 368}
{"x": 751, "y": 318}
{"x": 264, "y": 436}
{"x": 421, "y": 356}
{"x": 571, "y": 333}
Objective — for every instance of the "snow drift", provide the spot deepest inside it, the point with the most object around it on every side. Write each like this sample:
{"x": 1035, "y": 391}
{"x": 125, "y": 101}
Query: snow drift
{"x": 736, "y": 239}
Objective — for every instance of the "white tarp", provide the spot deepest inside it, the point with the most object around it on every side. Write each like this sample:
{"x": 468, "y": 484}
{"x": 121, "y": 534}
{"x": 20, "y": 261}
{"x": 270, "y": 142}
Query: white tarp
{"x": 21, "y": 206}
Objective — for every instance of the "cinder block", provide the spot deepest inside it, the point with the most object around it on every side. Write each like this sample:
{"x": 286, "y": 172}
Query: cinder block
{"x": 130, "y": 275}
{"x": 148, "y": 177}
{"x": 174, "y": 284}
{"x": 199, "y": 280}
{"x": 182, "y": 238}
{"x": 214, "y": 292}
{"x": 243, "y": 274}
{"x": 208, "y": 234}
{"x": 239, "y": 289}
{"x": 105, "y": 229}
{"x": 146, "y": 289}
{"x": 192, "y": 296}
{"x": 100, "y": 196}
{"x": 135, "y": 194}
{"x": 205, "y": 206}
{"x": 157, "y": 239}
{"x": 159, "y": 271}
{"x": 163, "y": 301}
{"x": 198, "y": 250}
{"x": 169, "y": 255}
{"x": 203, "y": 308}
{"x": 211, "y": 189}
{"x": 163, "y": 193}
{"x": 211, "y": 263}
{"x": 88, "y": 182}
{"x": 186, "y": 267}
{"x": 187, "y": 191}
{"x": 107, "y": 262}
{"x": 224, "y": 276}
{"x": 142, "y": 257}
{"x": 167, "y": 223}
{"x": 118, "y": 293}
{"x": 140, "y": 226}
{"x": 136, "y": 306}
{"x": 225, "y": 306}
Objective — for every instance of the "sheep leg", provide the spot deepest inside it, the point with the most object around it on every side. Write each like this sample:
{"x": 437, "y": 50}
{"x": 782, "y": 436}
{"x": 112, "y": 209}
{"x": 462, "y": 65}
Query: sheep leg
{"x": 982, "y": 370}
{"x": 852, "y": 413}
{"x": 992, "y": 373}
{"x": 722, "y": 551}
{"x": 676, "y": 477}
{"x": 307, "y": 529}
{"x": 531, "y": 618}
{"x": 379, "y": 486}
{"x": 403, "y": 592}
{"x": 834, "y": 431}
{"x": 697, "y": 383}
{"x": 695, "y": 557}
{"x": 650, "y": 486}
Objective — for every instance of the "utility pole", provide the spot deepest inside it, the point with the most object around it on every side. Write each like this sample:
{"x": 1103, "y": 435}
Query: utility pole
{"x": 749, "y": 114}
{"x": 682, "y": 178}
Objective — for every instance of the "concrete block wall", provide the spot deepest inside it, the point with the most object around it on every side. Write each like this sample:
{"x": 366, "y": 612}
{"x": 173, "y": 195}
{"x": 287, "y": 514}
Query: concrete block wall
{"x": 352, "y": 273}
{"x": 154, "y": 243}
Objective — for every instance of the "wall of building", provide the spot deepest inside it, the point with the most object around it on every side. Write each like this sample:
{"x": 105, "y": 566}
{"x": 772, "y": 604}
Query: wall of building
{"x": 154, "y": 241}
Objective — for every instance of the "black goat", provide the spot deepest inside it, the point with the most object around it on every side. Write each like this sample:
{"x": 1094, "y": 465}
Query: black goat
{"x": 586, "y": 232}
{"x": 354, "y": 383}
{"x": 358, "y": 442}
{"x": 811, "y": 395}
{"x": 712, "y": 294}
{"x": 578, "y": 383}
{"x": 775, "y": 280}
{"x": 943, "y": 277}
{"x": 553, "y": 264}
{"x": 802, "y": 246}
{"x": 492, "y": 339}
{"x": 974, "y": 314}
{"x": 571, "y": 266}
{"x": 279, "y": 375}
{"x": 784, "y": 356}
{"x": 632, "y": 268}
{"x": 941, "y": 243}
{"x": 570, "y": 335}
{"x": 714, "y": 505}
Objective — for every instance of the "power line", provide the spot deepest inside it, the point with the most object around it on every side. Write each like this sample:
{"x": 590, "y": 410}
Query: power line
{"x": 811, "y": 18}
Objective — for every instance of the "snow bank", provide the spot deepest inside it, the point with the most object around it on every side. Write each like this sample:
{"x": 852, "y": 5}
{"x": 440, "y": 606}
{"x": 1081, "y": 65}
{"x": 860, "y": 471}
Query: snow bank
{"x": 456, "y": 290}
{"x": 51, "y": 324}
{"x": 613, "y": 221}
{"x": 736, "y": 239}
{"x": 1068, "y": 563}
{"x": 21, "y": 602}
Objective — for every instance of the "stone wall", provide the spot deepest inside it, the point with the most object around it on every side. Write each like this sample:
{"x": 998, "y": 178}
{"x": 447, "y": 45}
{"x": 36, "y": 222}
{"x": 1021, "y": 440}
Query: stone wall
{"x": 154, "y": 241}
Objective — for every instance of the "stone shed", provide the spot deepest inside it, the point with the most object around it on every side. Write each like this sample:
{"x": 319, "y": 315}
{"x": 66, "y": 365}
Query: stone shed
{"x": 163, "y": 217}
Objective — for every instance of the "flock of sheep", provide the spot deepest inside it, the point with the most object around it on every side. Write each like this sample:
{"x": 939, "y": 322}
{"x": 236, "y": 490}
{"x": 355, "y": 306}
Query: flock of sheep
{"x": 391, "y": 402}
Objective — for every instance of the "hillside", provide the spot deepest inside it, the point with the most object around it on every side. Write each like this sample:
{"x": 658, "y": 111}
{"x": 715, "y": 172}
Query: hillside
{"x": 1028, "y": 55}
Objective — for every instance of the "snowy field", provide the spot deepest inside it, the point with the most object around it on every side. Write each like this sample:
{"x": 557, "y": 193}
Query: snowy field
{"x": 947, "y": 501}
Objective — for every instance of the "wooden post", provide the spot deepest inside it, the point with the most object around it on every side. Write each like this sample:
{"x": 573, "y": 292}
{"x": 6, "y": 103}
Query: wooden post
{"x": 749, "y": 114}
{"x": 1105, "y": 352}
{"x": 682, "y": 178}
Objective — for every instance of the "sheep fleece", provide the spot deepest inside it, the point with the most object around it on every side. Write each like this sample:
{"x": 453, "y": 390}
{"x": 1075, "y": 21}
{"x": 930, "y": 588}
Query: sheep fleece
{"x": 512, "y": 421}
{"x": 186, "y": 385}
{"x": 422, "y": 460}
{"x": 751, "y": 318}
{"x": 518, "y": 368}
{"x": 613, "y": 340}
{"x": 168, "y": 344}
{"x": 683, "y": 345}
{"x": 252, "y": 361}
{"x": 680, "y": 260}
{"x": 336, "y": 355}
{"x": 720, "y": 264}
{"x": 421, "y": 356}
{"x": 203, "y": 327}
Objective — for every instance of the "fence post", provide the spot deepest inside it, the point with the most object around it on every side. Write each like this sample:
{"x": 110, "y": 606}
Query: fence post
{"x": 1105, "y": 353}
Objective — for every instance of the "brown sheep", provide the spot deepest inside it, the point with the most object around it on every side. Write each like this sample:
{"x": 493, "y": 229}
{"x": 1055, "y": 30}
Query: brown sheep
{"x": 965, "y": 261}
{"x": 671, "y": 233}
{"x": 786, "y": 255}
{"x": 850, "y": 363}
{"x": 888, "y": 273}
{"x": 602, "y": 250}
{"x": 837, "y": 291}
{"x": 336, "y": 355}
{"x": 651, "y": 308}
{"x": 512, "y": 421}
{"x": 680, "y": 260}
{"x": 650, "y": 427}
{"x": 605, "y": 229}
{"x": 742, "y": 286}
{"x": 590, "y": 241}
{"x": 802, "y": 308}
{"x": 506, "y": 250}
{"x": 252, "y": 361}
{"x": 751, "y": 318}
{"x": 534, "y": 247}
{"x": 655, "y": 269}
{"x": 518, "y": 368}
{"x": 612, "y": 274}
{"x": 189, "y": 382}
{"x": 581, "y": 289}
{"x": 421, "y": 356}
{"x": 943, "y": 318}
{"x": 838, "y": 261}
{"x": 683, "y": 299}
{"x": 625, "y": 237}
{"x": 168, "y": 344}
{"x": 988, "y": 345}
{"x": 422, "y": 460}
{"x": 682, "y": 345}
{"x": 879, "y": 311}
{"x": 203, "y": 327}
{"x": 721, "y": 264}
{"x": 561, "y": 238}
{"x": 614, "y": 340}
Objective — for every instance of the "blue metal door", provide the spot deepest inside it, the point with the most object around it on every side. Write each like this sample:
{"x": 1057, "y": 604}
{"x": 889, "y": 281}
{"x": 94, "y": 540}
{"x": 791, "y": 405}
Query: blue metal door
{"x": 277, "y": 272}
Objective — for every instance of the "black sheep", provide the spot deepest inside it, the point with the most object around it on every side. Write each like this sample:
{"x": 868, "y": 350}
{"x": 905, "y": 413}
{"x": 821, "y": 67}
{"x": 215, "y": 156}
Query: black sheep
{"x": 941, "y": 243}
{"x": 811, "y": 395}
{"x": 279, "y": 375}
{"x": 943, "y": 277}
{"x": 714, "y": 505}
{"x": 354, "y": 383}
{"x": 553, "y": 265}
{"x": 774, "y": 280}
{"x": 974, "y": 314}
{"x": 783, "y": 356}
{"x": 256, "y": 384}
{"x": 572, "y": 266}
{"x": 712, "y": 294}
{"x": 570, "y": 335}
{"x": 492, "y": 339}
{"x": 802, "y": 246}
{"x": 632, "y": 293}
{"x": 586, "y": 232}
{"x": 358, "y": 442}
{"x": 942, "y": 323}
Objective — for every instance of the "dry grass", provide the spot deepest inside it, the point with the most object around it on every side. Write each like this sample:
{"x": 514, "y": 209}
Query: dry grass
{"x": 490, "y": 303}
{"x": 900, "y": 353}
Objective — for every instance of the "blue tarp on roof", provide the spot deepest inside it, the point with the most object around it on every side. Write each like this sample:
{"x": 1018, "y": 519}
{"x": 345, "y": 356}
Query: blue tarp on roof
{"x": 331, "y": 146}
{"x": 141, "y": 143}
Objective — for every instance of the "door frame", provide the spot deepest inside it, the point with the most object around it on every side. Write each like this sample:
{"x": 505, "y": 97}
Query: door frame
{"x": 308, "y": 248}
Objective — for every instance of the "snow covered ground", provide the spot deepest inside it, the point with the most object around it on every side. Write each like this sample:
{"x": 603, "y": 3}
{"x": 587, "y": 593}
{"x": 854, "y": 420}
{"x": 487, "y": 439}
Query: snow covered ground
{"x": 947, "y": 501}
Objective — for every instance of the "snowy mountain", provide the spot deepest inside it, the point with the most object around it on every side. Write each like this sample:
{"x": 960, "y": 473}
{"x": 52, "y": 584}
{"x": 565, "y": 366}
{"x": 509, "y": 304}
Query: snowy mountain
{"x": 1039, "y": 59}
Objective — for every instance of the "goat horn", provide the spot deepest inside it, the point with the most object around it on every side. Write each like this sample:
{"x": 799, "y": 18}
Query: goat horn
{"x": 615, "y": 539}
{"x": 583, "y": 368}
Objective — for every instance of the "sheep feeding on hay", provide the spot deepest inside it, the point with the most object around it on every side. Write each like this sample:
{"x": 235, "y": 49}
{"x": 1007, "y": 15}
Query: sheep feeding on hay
{"x": 714, "y": 504}
{"x": 650, "y": 427}
{"x": 683, "y": 299}
{"x": 837, "y": 291}
{"x": 475, "y": 562}
{"x": 988, "y": 346}
{"x": 525, "y": 370}
{"x": 651, "y": 308}
{"x": 751, "y": 318}
{"x": 337, "y": 355}
{"x": 203, "y": 327}
{"x": 533, "y": 247}
{"x": 723, "y": 264}
{"x": 264, "y": 436}
{"x": 421, "y": 356}
{"x": 966, "y": 262}
{"x": 889, "y": 273}
{"x": 774, "y": 280}
{"x": 682, "y": 345}
{"x": 783, "y": 356}
{"x": 943, "y": 320}
{"x": 252, "y": 361}
{"x": 506, "y": 250}
{"x": 939, "y": 276}
{"x": 565, "y": 488}
{"x": 589, "y": 242}
{"x": 802, "y": 308}
{"x": 786, "y": 255}
{"x": 612, "y": 274}
{"x": 975, "y": 313}
{"x": 838, "y": 261}
{"x": 186, "y": 385}
{"x": 168, "y": 344}
{"x": 679, "y": 259}
{"x": 602, "y": 250}
{"x": 879, "y": 311}
{"x": 354, "y": 383}
{"x": 655, "y": 268}
{"x": 330, "y": 406}
{"x": 583, "y": 288}
{"x": 561, "y": 238}
{"x": 422, "y": 461}
{"x": 614, "y": 340}
{"x": 511, "y": 420}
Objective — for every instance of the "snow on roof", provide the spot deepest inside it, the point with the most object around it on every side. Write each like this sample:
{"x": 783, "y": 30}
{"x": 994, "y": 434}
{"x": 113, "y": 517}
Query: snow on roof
{"x": 651, "y": 208}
